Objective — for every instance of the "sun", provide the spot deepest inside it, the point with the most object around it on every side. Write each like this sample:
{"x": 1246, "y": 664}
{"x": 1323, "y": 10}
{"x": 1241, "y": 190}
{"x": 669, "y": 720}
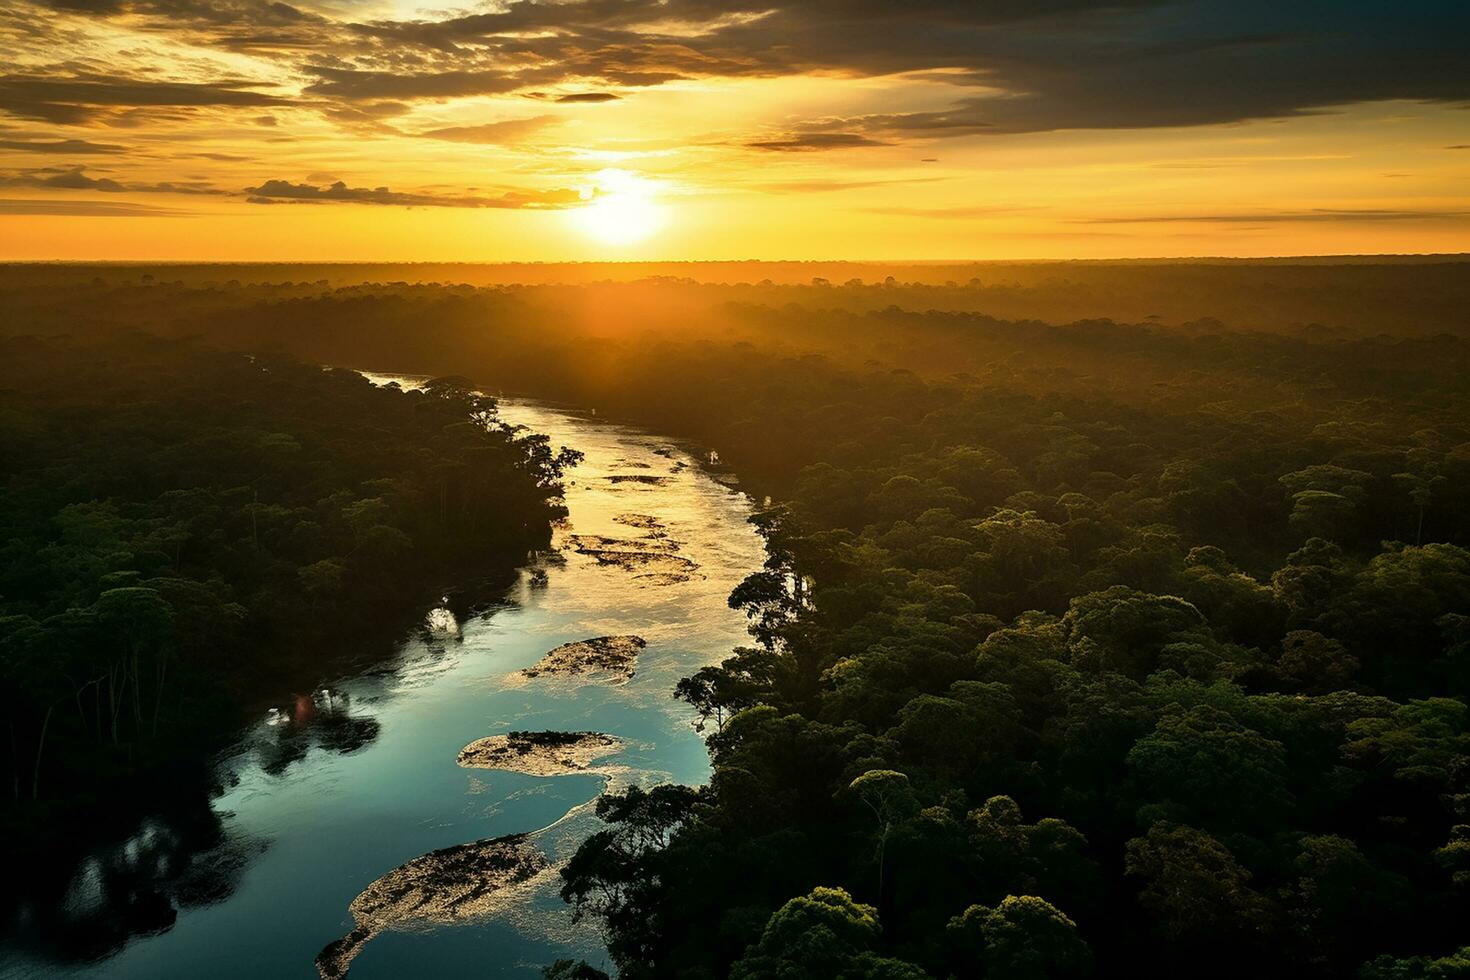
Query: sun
{"x": 623, "y": 210}
{"x": 620, "y": 219}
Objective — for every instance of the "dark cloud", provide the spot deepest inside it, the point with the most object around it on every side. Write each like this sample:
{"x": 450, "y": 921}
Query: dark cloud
{"x": 178, "y": 187}
{"x": 99, "y": 7}
{"x": 1016, "y": 66}
{"x": 356, "y": 85}
{"x": 68, "y": 147}
{"x": 1195, "y": 62}
{"x": 286, "y": 192}
{"x": 85, "y": 98}
{"x": 728, "y": 27}
{"x": 510, "y": 67}
{"x": 1051, "y": 65}
{"x": 588, "y": 97}
{"x": 90, "y": 209}
{"x": 965, "y": 118}
{"x": 238, "y": 24}
{"x": 494, "y": 133}
{"x": 1150, "y": 65}
{"x": 77, "y": 179}
{"x": 62, "y": 178}
{"x": 814, "y": 141}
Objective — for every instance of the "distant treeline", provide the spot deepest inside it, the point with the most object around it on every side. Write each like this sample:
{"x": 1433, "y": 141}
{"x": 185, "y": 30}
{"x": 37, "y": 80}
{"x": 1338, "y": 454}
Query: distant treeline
{"x": 1125, "y": 649}
{"x": 1367, "y": 295}
{"x": 186, "y": 532}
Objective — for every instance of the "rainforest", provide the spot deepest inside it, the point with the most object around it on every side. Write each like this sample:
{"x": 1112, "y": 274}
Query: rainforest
{"x": 997, "y": 620}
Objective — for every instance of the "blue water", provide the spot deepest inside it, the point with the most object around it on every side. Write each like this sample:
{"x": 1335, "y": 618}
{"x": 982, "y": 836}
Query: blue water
{"x": 319, "y": 831}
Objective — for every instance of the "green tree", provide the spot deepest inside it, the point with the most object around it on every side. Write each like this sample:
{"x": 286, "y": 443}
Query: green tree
{"x": 1210, "y": 769}
{"x": 890, "y": 799}
{"x": 1455, "y": 966}
{"x": 1023, "y": 938}
{"x": 1315, "y": 664}
{"x": 1194, "y": 889}
{"x": 821, "y": 934}
{"x": 1124, "y": 630}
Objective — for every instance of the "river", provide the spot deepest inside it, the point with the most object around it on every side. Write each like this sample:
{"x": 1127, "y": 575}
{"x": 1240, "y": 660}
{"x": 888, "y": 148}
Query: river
{"x": 363, "y": 776}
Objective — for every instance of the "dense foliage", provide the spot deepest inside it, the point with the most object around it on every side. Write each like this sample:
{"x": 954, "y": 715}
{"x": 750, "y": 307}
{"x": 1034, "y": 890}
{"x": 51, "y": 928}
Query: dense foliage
{"x": 1152, "y": 680}
{"x": 1131, "y": 649}
{"x": 185, "y": 531}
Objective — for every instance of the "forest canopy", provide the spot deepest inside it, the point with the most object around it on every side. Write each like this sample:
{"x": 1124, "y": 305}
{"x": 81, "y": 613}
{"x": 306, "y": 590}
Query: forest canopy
{"x": 188, "y": 531}
{"x": 1112, "y": 646}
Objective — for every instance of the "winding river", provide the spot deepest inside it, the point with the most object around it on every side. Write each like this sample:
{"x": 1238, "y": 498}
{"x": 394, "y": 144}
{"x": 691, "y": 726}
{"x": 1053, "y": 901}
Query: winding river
{"x": 361, "y": 777}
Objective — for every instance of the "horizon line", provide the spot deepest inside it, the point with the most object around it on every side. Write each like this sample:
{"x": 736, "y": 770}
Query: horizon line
{"x": 1316, "y": 257}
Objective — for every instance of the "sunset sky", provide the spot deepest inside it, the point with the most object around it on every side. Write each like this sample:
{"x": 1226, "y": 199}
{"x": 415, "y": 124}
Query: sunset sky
{"x": 697, "y": 129}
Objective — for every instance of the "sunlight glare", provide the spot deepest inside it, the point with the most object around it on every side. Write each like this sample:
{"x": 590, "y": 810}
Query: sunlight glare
{"x": 623, "y": 212}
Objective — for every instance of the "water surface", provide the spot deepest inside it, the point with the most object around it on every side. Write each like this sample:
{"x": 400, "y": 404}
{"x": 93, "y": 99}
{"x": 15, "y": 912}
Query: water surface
{"x": 363, "y": 778}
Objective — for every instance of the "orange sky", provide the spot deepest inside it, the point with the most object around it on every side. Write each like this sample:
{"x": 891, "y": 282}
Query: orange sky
{"x": 689, "y": 129}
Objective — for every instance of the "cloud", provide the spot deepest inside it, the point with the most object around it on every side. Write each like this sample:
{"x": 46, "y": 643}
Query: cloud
{"x": 285, "y": 192}
{"x": 64, "y": 178}
{"x": 358, "y": 85}
{"x": 493, "y": 133}
{"x": 69, "y": 147}
{"x": 1062, "y": 64}
{"x": 90, "y": 209}
{"x": 77, "y": 179}
{"x": 814, "y": 141}
{"x": 1196, "y": 62}
{"x": 586, "y": 97}
{"x": 259, "y": 12}
{"x": 177, "y": 187}
{"x": 1014, "y": 66}
{"x": 575, "y": 98}
{"x": 256, "y": 26}
{"x": 77, "y": 99}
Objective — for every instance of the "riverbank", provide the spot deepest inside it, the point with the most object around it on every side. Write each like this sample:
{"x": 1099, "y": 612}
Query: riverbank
{"x": 307, "y": 819}
{"x": 196, "y": 537}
